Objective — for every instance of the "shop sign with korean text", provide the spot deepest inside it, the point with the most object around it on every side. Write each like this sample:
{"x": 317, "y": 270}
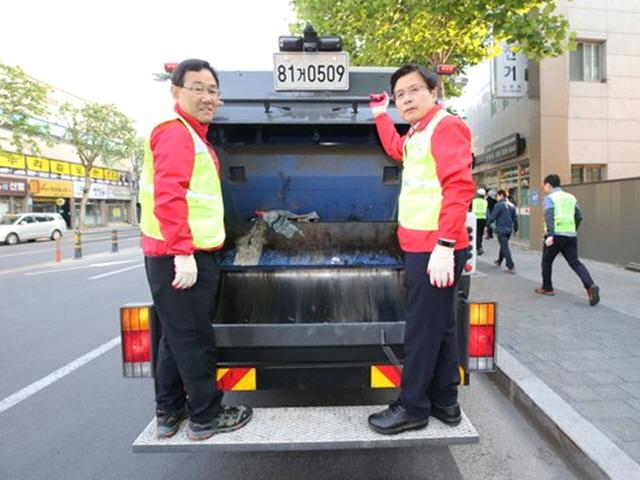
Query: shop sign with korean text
{"x": 510, "y": 74}
{"x": 12, "y": 187}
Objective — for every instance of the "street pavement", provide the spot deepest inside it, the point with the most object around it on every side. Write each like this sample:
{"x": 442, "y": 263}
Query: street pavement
{"x": 589, "y": 356}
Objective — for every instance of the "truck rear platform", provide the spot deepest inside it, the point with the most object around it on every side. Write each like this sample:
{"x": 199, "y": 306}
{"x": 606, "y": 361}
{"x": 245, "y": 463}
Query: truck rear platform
{"x": 309, "y": 428}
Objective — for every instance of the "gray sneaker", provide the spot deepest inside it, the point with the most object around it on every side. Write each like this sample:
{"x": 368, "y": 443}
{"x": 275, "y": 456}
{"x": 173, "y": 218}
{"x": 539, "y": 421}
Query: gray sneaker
{"x": 229, "y": 419}
{"x": 168, "y": 423}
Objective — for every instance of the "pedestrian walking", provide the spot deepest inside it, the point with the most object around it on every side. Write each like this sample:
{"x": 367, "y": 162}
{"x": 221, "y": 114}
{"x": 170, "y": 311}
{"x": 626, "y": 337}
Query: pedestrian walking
{"x": 436, "y": 191}
{"x": 506, "y": 222}
{"x": 562, "y": 218}
{"x": 479, "y": 209}
{"x": 491, "y": 201}
{"x": 182, "y": 221}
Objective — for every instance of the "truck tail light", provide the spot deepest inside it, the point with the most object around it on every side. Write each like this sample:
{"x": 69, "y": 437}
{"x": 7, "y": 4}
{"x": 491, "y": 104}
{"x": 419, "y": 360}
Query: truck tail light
{"x": 482, "y": 337}
{"x": 136, "y": 341}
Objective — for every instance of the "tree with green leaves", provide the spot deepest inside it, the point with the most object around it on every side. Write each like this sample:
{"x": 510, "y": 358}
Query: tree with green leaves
{"x": 433, "y": 32}
{"x": 98, "y": 133}
{"x": 23, "y": 107}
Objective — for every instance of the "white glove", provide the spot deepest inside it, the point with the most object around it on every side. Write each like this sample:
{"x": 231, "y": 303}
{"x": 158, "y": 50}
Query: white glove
{"x": 440, "y": 268}
{"x": 186, "y": 271}
{"x": 548, "y": 241}
{"x": 378, "y": 102}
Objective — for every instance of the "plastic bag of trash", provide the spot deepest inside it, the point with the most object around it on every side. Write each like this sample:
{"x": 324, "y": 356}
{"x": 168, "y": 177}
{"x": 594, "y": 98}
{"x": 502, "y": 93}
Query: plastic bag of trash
{"x": 281, "y": 221}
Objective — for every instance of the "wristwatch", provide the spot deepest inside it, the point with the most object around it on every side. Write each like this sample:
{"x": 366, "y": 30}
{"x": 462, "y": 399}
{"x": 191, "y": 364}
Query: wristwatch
{"x": 446, "y": 243}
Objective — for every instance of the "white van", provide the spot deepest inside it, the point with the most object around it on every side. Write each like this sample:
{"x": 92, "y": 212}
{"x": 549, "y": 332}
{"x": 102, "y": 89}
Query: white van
{"x": 31, "y": 226}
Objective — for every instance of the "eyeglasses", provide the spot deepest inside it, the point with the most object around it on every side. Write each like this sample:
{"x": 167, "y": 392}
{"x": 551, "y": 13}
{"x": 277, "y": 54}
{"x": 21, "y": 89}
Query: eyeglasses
{"x": 409, "y": 93}
{"x": 201, "y": 90}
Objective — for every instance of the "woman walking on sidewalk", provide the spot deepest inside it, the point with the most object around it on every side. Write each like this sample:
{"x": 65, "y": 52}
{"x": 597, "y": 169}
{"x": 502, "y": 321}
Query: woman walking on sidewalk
{"x": 562, "y": 218}
{"x": 504, "y": 215}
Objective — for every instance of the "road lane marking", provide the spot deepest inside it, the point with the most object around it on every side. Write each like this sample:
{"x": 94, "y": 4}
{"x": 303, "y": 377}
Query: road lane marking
{"x": 50, "y": 249}
{"x": 44, "y": 382}
{"x": 80, "y": 267}
{"x": 108, "y": 274}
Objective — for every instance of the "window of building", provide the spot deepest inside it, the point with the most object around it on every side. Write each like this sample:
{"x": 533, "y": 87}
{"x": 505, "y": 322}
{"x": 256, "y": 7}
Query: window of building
{"x": 587, "y": 173}
{"x": 586, "y": 62}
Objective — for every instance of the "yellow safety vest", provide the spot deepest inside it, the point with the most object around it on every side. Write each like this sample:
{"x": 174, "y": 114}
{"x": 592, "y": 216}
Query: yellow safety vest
{"x": 479, "y": 208}
{"x": 564, "y": 207}
{"x": 204, "y": 197}
{"x": 421, "y": 193}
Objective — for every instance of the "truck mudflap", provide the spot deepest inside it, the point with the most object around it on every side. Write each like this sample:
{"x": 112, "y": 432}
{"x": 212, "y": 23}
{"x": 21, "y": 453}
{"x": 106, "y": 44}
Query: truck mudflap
{"x": 309, "y": 428}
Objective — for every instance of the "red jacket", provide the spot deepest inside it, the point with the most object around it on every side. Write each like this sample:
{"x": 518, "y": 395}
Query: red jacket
{"x": 173, "y": 160}
{"x": 451, "y": 148}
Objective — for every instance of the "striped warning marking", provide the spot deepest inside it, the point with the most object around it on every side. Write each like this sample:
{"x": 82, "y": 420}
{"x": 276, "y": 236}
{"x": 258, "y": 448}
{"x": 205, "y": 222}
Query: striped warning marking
{"x": 236, "y": 379}
{"x": 385, "y": 376}
{"x": 389, "y": 376}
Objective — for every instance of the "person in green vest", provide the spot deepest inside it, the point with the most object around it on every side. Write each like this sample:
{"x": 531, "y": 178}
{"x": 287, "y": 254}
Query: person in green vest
{"x": 562, "y": 218}
{"x": 182, "y": 223}
{"x": 479, "y": 209}
{"x": 437, "y": 188}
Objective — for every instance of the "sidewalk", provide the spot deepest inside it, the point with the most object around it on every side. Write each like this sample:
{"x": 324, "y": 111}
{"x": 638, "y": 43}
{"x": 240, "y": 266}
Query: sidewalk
{"x": 120, "y": 227}
{"x": 589, "y": 356}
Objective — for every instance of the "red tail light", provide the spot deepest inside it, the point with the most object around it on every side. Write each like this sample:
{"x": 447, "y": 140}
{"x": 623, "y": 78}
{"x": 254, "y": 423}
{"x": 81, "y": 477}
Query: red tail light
{"x": 482, "y": 336}
{"x": 481, "y": 341}
{"x": 136, "y": 346}
{"x": 136, "y": 341}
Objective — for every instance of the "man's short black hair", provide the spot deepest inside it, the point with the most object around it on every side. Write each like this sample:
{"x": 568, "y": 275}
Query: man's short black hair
{"x": 553, "y": 180}
{"x": 502, "y": 193}
{"x": 430, "y": 79}
{"x": 191, "y": 65}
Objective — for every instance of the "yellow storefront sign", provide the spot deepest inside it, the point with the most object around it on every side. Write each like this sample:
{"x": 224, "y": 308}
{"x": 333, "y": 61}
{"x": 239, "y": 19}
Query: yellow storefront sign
{"x": 51, "y": 188}
{"x": 12, "y": 160}
{"x": 37, "y": 164}
{"x": 61, "y": 168}
{"x": 77, "y": 170}
{"x": 16, "y": 161}
{"x": 97, "y": 172}
{"x": 111, "y": 175}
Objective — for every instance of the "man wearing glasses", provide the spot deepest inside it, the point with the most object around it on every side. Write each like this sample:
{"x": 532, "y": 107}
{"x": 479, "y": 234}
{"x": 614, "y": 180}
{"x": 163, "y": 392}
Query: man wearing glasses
{"x": 437, "y": 188}
{"x": 182, "y": 223}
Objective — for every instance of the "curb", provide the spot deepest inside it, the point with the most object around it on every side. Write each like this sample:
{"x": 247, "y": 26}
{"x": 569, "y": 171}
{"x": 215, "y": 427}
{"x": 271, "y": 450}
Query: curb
{"x": 586, "y": 448}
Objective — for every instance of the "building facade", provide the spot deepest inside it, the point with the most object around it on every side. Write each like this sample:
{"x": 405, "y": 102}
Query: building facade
{"x": 578, "y": 116}
{"x": 53, "y": 180}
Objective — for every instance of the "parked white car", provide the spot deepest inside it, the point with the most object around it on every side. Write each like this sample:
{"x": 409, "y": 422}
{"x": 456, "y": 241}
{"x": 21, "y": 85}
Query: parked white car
{"x": 31, "y": 226}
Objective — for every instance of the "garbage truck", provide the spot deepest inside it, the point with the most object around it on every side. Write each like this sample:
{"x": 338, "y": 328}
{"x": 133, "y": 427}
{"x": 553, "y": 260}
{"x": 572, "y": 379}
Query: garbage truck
{"x": 310, "y": 302}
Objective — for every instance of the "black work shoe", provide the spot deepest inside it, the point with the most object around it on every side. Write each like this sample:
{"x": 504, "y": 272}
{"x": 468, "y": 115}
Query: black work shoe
{"x": 449, "y": 415}
{"x": 168, "y": 423}
{"x": 396, "y": 419}
{"x": 229, "y": 419}
{"x": 594, "y": 294}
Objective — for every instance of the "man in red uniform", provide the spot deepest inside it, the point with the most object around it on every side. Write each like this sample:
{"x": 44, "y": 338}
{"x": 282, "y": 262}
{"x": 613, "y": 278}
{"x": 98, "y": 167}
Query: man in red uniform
{"x": 182, "y": 223}
{"x": 437, "y": 188}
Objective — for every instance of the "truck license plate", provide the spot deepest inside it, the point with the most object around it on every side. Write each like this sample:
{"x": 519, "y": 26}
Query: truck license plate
{"x": 311, "y": 71}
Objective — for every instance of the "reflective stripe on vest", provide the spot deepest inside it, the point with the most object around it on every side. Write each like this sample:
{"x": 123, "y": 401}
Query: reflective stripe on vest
{"x": 479, "y": 208}
{"x": 204, "y": 197}
{"x": 564, "y": 208}
{"x": 421, "y": 194}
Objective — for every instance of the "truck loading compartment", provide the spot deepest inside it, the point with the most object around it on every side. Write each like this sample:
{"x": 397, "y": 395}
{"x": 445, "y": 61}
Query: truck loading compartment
{"x": 315, "y": 311}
